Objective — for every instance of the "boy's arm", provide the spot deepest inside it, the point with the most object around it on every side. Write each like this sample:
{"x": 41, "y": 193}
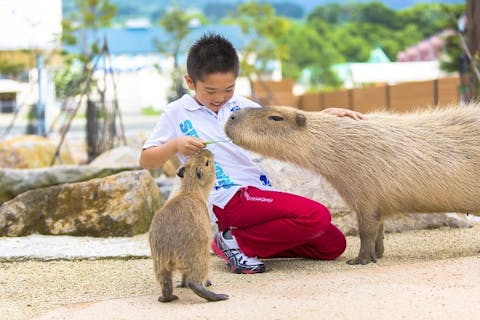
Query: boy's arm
{"x": 155, "y": 157}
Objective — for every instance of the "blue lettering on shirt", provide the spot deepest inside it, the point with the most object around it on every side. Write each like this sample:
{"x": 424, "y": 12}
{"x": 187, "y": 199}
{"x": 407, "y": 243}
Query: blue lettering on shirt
{"x": 187, "y": 128}
{"x": 235, "y": 108}
{"x": 264, "y": 180}
{"x": 223, "y": 180}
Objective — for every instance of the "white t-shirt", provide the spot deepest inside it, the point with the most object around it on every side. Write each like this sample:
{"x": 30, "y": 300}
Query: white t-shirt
{"x": 233, "y": 165}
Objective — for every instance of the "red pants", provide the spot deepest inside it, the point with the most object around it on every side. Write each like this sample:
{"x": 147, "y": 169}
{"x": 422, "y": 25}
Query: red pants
{"x": 272, "y": 224}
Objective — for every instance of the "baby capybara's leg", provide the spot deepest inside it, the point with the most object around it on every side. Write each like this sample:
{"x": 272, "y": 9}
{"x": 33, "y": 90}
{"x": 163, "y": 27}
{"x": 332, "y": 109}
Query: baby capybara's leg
{"x": 183, "y": 284}
{"x": 167, "y": 287}
{"x": 368, "y": 227}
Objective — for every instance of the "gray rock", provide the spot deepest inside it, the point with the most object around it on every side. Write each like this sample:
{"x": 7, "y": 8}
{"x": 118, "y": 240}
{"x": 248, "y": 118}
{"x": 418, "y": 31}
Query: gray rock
{"x": 118, "y": 205}
{"x": 16, "y": 181}
{"x": 118, "y": 157}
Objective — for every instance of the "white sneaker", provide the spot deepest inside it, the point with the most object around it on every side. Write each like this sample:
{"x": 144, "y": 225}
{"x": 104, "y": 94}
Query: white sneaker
{"x": 230, "y": 252}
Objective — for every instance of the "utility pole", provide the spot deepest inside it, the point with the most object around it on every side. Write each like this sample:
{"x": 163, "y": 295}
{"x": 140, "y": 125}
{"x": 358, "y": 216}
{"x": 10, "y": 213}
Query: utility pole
{"x": 40, "y": 105}
{"x": 473, "y": 42}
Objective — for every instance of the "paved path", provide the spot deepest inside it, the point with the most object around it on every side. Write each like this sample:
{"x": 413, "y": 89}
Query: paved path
{"x": 424, "y": 274}
{"x": 447, "y": 289}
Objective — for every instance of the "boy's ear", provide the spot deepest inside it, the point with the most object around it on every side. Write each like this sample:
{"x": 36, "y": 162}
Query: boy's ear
{"x": 189, "y": 82}
{"x": 181, "y": 171}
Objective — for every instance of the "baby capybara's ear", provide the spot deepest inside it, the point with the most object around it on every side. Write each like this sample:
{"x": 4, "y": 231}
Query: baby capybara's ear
{"x": 181, "y": 171}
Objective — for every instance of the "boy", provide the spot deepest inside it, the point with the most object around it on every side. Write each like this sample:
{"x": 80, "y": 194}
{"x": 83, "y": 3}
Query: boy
{"x": 254, "y": 220}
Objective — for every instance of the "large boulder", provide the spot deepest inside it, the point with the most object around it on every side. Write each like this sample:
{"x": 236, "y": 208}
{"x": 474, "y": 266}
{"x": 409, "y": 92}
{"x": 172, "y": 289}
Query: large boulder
{"x": 31, "y": 151}
{"x": 16, "y": 181}
{"x": 118, "y": 157}
{"x": 126, "y": 156}
{"x": 118, "y": 205}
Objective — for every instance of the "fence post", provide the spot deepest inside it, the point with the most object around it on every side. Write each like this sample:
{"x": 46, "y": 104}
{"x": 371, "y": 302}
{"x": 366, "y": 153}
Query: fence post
{"x": 387, "y": 96}
{"x": 435, "y": 92}
{"x": 350, "y": 99}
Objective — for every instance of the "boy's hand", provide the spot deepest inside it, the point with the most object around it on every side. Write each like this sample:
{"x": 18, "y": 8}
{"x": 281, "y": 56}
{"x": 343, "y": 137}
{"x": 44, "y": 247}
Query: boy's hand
{"x": 188, "y": 145}
{"x": 342, "y": 112}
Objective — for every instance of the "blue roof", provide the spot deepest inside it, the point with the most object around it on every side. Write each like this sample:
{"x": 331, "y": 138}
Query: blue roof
{"x": 137, "y": 41}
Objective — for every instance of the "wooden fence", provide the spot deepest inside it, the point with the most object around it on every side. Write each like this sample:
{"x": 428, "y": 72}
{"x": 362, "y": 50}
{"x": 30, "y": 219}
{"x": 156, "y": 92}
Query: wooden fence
{"x": 401, "y": 97}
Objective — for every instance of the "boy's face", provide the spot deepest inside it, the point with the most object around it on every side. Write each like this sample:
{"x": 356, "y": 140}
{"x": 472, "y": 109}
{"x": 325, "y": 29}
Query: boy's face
{"x": 215, "y": 89}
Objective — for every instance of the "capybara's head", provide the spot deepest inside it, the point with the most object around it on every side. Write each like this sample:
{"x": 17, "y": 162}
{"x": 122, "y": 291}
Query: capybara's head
{"x": 199, "y": 170}
{"x": 265, "y": 129}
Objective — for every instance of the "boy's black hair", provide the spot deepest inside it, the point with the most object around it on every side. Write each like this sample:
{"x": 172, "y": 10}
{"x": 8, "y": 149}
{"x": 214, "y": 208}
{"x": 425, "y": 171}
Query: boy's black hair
{"x": 212, "y": 53}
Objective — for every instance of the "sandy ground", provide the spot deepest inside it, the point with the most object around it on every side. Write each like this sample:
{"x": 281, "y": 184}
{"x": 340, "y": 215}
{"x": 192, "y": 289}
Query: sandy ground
{"x": 428, "y": 274}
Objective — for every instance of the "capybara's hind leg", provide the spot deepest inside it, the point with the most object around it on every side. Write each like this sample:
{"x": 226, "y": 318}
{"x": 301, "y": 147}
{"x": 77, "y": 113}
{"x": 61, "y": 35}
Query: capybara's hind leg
{"x": 368, "y": 227}
{"x": 183, "y": 284}
{"x": 203, "y": 292}
{"x": 167, "y": 287}
{"x": 379, "y": 242}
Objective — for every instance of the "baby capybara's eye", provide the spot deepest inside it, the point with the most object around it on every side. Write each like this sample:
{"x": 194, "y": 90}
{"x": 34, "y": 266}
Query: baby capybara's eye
{"x": 275, "y": 118}
{"x": 207, "y": 163}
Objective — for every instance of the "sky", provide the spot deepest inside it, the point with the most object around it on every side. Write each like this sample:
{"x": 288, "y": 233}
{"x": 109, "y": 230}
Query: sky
{"x": 29, "y": 24}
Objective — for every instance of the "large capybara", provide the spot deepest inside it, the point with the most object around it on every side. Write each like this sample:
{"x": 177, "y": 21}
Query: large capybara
{"x": 424, "y": 161}
{"x": 180, "y": 232}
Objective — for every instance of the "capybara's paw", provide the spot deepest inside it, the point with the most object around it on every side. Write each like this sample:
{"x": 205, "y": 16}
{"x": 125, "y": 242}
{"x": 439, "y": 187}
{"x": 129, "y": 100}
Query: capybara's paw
{"x": 208, "y": 283}
{"x": 167, "y": 299}
{"x": 362, "y": 260}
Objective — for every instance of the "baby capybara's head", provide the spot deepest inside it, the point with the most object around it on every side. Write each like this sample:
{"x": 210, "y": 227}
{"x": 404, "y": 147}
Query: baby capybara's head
{"x": 199, "y": 170}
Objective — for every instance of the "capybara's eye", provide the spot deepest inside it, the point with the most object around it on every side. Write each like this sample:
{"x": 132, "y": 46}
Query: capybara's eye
{"x": 207, "y": 163}
{"x": 275, "y": 118}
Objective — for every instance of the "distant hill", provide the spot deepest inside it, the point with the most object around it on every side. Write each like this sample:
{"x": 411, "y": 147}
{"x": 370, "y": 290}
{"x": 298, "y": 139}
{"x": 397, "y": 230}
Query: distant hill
{"x": 308, "y": 5}
{"x": 149, "y": 7}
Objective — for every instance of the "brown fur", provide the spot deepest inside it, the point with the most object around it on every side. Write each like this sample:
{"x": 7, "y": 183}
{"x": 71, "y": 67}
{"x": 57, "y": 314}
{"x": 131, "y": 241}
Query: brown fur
{"x": 425, "y": 161}
{"x": 180, "y": 232}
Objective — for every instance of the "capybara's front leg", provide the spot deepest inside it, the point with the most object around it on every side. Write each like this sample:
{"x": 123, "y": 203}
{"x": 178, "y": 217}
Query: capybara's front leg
{"x": 379, "y": 242}
{"x": 203, "y": 292}
{"x": 368, "y": 227}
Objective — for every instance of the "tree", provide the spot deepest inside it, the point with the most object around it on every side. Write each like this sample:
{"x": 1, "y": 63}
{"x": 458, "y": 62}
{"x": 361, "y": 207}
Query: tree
{"x": 262, "y": 27}
{"x": 82, "y": 28}
{"x": 11, "y": 69}
{"x": 177, "y": 24}
{"x": 308, "y": 51}
{"x": 431, "y": 18}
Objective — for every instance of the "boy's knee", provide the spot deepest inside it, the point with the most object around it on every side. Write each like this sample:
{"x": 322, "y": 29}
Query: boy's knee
{"x": 320, "y": 219}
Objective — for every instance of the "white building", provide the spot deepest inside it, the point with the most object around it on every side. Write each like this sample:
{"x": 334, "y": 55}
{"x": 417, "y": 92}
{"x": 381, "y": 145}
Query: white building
{"x": 36, "y": 26}
{"x": 30, "y": 24}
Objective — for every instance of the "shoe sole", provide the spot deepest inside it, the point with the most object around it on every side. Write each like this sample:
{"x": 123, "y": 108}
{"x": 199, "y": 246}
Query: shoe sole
{"x": 222, "y": 256}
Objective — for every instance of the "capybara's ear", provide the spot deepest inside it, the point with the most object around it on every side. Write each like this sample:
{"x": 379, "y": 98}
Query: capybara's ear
{"x": 181, "y": 171}
{"x": 199, "y": 173}
{"x": 300, "y": 119}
